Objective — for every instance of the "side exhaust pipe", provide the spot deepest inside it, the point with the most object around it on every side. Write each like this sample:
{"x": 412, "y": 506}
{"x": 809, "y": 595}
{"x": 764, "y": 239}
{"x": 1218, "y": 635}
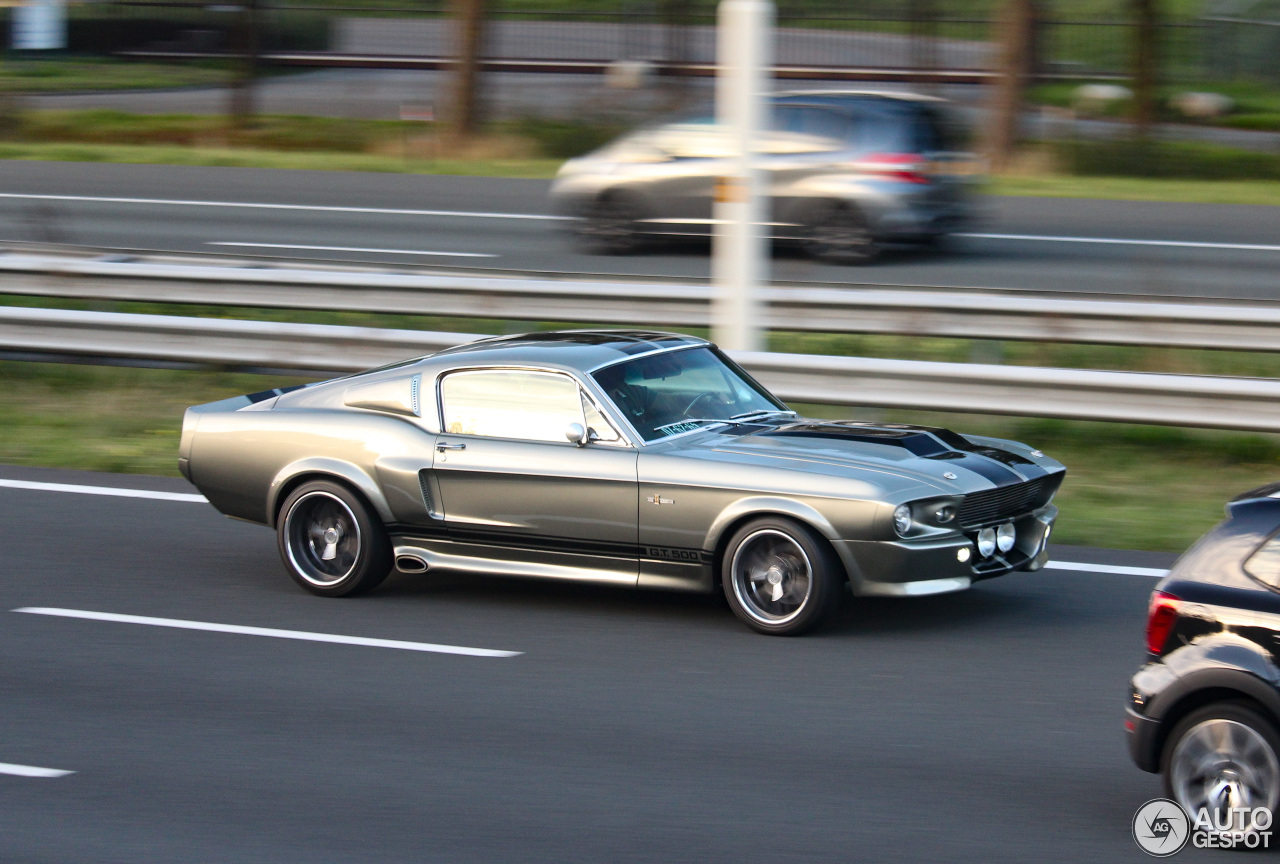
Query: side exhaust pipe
{"x": 410, "y": 564}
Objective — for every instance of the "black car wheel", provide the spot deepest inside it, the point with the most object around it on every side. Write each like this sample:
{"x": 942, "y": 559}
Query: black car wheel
{"x": 330, "y": 542}
{"x": 1223, "y": 756}
{"x": 839, "y": 234}
{"x": 611, "y": 226}
{"x": 780, "y": 578}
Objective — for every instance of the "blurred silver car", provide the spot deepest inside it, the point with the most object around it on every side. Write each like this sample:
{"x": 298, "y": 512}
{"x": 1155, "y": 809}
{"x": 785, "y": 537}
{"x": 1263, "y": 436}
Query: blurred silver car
{"x": 846, "y": 171}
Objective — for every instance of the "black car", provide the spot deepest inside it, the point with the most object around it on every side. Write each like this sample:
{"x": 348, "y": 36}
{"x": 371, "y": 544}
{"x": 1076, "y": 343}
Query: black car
{"x": 1205, "y": 708}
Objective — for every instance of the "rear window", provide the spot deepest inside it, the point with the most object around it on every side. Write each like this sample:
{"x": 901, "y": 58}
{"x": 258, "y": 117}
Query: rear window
{"x": 1264, "y": 564}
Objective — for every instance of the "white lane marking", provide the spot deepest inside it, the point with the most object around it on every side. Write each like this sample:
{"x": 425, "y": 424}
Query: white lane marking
{"x": 1114, "y": 569}
{"x": 301, "y": 635}
{"x": 1112, "y": 241}
{"x": 103, "y": 490}
{"x": 250, "y": 205}
{"x": 350, "y": 249}
{"x": 31, "y": 771}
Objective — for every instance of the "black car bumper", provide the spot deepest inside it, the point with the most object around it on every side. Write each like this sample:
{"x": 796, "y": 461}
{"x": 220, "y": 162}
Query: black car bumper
{"x": 1144, "y": 740}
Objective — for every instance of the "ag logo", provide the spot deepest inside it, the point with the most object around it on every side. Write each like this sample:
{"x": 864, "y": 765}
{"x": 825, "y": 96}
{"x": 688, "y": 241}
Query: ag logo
{"x": 1161, "y": 827}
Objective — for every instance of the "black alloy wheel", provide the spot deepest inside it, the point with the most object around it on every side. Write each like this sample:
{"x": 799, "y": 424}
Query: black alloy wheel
{"x": 611, "y": 226}
{"x": 839, "y": 234}
{"x": 780, "y": 578}
{"x": 330, "y": 541}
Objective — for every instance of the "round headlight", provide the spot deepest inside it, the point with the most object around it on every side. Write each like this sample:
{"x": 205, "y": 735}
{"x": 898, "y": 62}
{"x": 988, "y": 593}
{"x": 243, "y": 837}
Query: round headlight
{"x": 902, "y": 520}
{"x": 986, "y": 542}
{"x": 944, "y": 514}
{"x": 1005, "y": 537}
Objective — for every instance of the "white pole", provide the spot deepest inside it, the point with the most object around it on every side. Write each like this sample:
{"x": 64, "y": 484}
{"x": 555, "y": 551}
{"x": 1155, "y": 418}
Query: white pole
{"x": 740, "y": 251}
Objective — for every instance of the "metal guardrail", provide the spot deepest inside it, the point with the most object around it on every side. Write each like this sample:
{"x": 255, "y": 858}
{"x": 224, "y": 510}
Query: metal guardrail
{"x": 986, "y": 314}
{"x": 1178, "y": 400}
{"x": 332, "y": 60}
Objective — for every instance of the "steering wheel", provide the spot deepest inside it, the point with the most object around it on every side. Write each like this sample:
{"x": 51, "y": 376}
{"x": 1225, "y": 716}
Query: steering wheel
{"x": 697, "y": 400}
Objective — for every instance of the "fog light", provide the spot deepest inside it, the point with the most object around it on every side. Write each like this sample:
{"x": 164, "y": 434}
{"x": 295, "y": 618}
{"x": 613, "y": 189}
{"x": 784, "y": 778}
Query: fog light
{"x": 986, "y": 542}
{"x": 963, "y": 554}
{"x": 902, "y": 520}
{"x": 945, "y": 515}
{"x": 1005, "y": 537}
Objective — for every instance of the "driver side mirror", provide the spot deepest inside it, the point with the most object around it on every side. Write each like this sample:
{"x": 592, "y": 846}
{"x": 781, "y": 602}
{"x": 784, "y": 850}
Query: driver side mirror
{"x": 577, "y": 434}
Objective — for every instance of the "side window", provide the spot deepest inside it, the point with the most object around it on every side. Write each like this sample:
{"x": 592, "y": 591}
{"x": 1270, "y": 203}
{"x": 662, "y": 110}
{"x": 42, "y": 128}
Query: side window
{"x": 533, "y": 406}
{"x": 1264, "y": 565}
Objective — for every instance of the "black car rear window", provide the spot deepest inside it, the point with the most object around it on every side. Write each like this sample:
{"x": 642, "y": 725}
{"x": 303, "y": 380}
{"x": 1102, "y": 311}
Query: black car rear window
{"x": 1264, "y": 564}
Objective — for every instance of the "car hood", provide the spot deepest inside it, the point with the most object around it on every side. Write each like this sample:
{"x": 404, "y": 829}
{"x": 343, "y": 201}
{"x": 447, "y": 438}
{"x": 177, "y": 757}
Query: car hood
{"x": 921, "y": 453}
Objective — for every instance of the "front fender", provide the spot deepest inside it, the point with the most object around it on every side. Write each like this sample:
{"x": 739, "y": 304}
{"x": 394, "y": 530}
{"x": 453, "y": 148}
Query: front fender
{"x": 322, "y": 466}
{"x": 767, "y": 505}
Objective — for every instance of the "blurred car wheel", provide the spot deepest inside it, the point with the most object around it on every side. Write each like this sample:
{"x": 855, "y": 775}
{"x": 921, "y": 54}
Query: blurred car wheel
{"x": 611, "y": 226}
{"x": 780, "y": 578}
{"x": 330, "y": 543}
{"x": 1221, "y": 756}
{"x": 839, "y": 234}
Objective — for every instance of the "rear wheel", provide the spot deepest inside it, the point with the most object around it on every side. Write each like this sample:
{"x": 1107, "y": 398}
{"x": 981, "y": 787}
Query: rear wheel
{"x": 839, "y": 234}
{"x": 611, "y": 226}
{"x": 780, "y": 578}
{"x": 1223, "y": 756}
{"x": 330, "y": 542}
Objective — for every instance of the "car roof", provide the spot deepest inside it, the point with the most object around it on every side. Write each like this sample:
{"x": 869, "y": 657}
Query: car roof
{"x": 841, "y": 95}
{"x": 583, "y": 350}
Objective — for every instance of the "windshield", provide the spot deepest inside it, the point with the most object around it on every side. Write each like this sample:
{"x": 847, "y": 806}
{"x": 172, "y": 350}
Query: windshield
{"x": 679, "y": 391}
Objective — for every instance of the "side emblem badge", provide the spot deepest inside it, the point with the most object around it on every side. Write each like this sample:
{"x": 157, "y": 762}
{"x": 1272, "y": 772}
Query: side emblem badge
{"x": 658, "y": 499}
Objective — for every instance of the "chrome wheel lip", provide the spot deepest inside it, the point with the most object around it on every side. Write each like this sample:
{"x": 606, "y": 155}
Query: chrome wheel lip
{"x": 740, "y": 581}
{"x": 310, "y": 574}
{"x": 1224, "y": 763}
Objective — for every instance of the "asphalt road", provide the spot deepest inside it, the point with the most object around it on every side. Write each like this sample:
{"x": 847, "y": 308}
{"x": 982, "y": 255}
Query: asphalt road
{"x": 1045, "y": 244}
{"x": 634, "y": 726}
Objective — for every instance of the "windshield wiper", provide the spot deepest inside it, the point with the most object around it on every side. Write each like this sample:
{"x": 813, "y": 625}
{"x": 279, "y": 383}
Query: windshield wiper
{"x": 761, "y": 413}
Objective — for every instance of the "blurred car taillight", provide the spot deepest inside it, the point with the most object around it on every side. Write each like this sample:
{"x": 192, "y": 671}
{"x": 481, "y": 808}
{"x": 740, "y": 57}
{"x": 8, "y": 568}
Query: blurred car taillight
{"x": 1161, "y": 616}
{"x": 898, "y": 166}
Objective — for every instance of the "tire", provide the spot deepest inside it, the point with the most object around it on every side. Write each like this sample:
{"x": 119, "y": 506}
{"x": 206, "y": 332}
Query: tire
{"x": 780, "y": 578}
{"x": 839, "y": 234}
{"x": 330, "y": 541}
{"x": 1223, "y": 755}
{"x": 611, "y": 226}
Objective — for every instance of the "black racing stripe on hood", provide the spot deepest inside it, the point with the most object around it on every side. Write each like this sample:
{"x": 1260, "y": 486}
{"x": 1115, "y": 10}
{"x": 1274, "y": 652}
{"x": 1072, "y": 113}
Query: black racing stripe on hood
{"x": 928, "y": 442}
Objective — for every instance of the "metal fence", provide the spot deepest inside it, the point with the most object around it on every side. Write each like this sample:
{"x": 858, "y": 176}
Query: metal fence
{"x": 820, "y": 36}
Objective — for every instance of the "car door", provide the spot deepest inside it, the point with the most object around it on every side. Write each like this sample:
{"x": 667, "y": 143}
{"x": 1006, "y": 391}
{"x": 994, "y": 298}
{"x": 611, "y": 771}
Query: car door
{"x": 515, "y": 491}
{"x": 682, "y": 187}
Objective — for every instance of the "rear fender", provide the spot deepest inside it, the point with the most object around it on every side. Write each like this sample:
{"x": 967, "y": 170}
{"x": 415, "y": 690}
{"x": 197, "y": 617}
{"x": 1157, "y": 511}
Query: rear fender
{"x": 321, "y": 467}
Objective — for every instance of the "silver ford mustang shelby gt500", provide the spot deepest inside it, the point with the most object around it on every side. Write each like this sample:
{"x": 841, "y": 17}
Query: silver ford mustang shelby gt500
{"x": 633, "y": 458}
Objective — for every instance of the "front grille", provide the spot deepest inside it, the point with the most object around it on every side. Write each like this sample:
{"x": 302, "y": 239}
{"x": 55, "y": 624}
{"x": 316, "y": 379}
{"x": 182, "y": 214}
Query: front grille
{"x": 1006, "y": 502}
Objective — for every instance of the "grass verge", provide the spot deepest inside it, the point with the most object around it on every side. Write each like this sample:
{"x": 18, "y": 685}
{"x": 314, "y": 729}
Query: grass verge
{"x": 1121, "y": 490}
{"x": 76, "y": 74}
{"x": 248, "y": 158}
{"x": 1138, "y": 189}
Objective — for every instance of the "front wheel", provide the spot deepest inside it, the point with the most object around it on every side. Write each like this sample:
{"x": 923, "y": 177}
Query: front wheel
{"x": 611, "y": 225}
{"x": 839, "y": 234}
{"x": 780, "y": 578}
{"x": 1220, "y": 757}
{"x": 330, "y": 542}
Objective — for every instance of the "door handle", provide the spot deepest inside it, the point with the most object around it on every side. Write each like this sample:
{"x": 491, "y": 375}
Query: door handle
{"x": 443, "y": 446}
